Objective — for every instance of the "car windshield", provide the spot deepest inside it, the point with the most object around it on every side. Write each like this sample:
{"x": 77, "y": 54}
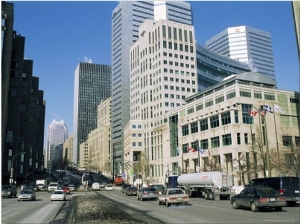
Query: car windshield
{"x": 26, "y": 192}
{"x": 6, "y": 187}
{"x": 58, "y": 192}
{"x": 175, "y": 192}
{"x": 158, "y": 187}
{"x": 149, "y": 189}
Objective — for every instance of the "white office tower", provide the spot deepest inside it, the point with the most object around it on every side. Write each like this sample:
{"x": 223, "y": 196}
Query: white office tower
{"x": 163, "y": 69}
{"x": 56, "y": 135}
{"x": 180, "y": 12}
{"x": 126, "y": 19}
{"x": 245, "y": 44}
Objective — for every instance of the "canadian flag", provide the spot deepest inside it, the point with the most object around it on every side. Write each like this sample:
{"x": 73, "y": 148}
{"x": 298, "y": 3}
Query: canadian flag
{"x": 191, "y": 149}
{"x": 252, "y": 113}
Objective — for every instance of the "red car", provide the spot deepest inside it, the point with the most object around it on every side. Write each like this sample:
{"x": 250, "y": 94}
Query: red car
{"x": 66, "y": 189}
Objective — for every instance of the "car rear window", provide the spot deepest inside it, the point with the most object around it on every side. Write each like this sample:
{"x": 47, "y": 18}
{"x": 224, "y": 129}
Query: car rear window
{"x": 290, "y": 181}
{"x": 266, "y": 190}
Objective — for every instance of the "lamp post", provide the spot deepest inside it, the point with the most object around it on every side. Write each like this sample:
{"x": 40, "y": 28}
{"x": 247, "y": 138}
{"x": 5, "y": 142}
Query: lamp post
{"x": 12, "y": 167}
{"x": 198, "y": 155}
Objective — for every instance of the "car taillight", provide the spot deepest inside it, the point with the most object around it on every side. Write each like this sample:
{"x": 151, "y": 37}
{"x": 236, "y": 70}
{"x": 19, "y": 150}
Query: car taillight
{"x": 185, "y": 196}
{"x": 172, "y": 198}
{"x": 281, "y": 191}
{"x": 281, "y": 199}
{"x": 263, "y": 199}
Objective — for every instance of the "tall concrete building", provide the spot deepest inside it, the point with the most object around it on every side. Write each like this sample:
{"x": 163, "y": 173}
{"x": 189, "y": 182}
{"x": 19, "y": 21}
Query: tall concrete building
{"x": 57, "y": 134}
{"x": 92, "y": 85}
{"x": 126, "y": 19}
{"x": 245, "y": 44}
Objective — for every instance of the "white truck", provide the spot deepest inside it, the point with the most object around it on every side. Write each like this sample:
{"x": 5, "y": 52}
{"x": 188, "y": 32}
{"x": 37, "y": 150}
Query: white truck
{"x": 41, "y": 183}
{"x": 212, "y": 185}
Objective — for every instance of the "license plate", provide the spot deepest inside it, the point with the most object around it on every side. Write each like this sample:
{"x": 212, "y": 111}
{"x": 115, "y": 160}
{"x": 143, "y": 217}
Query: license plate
{"x": 151, "y": 193}
{"x": 272, "y": 199}
{"x": 296, "y": 191}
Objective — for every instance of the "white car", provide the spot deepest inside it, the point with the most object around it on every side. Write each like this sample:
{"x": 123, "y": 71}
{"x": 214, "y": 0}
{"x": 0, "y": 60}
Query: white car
{"x": 58, "y": 195}
{"x": 95, "y": 186}
{"x": 72, "y": 187}
{"x": 109, "y": 187}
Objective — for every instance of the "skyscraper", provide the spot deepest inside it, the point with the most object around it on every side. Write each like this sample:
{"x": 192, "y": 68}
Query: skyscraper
{"x": 126, "y": 19}
{"x": 245, "y": 44}
{"x": 92, "y": 85}
{"x": 57, "y": 134}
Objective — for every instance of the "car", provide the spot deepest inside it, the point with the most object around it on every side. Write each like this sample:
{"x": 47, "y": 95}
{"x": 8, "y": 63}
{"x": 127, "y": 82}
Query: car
{"x": 66, "y": 189}
{"x": 58, "y": 195}
{"x": 236, "y": 189}
{"x": 147, "y": 193}
{"x": 130, "y": 191}
{"x": 124, "y": 187}
{"x": 27, "y": 194}
{"x": 257, "y": 198}
{"x": 95, "y": 186}
{"x": 52, "y": 186}
{"x": 72, "y": 187}
{"x": 287, "y": 186}
{"x": 158, "y": 187}
{"x": 9, "y": 191}
{"x": 109, "y": 187}
{"x": 173, "y": 196}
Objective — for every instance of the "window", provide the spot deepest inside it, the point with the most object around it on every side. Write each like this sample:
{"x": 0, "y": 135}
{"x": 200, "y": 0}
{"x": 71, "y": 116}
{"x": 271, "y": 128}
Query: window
{"x": 245, "y": 93}
{"x": 230, "y": 95}
{"x": 287, "y": 140}
{"x": 199, "y": 107}
{"x": 297, "y": 140}
{"x": 208, "y": 103}
{"x": 269, "y": 96}
{"x": 194, "y": 127}
{"x": 246, "y": 138}
{"x": 204, "y": 124}
{"x": 238, "y": 138}
{"x": 257, "y": 95}
{"x": 215, "y": 142}
{"x": 204, "y": 144}
{"x": 214, "y": 121}
{"x": 246, "y": 118}
{"x": 219, "y": 99}
{"x": 185, "y": 130}
{"x": 225, "y": 118}
{"x": 226, "y": 139}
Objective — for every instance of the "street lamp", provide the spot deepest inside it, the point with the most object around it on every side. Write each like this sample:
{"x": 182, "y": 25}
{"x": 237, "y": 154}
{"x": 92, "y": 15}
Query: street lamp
{"x": 12, "y": 167}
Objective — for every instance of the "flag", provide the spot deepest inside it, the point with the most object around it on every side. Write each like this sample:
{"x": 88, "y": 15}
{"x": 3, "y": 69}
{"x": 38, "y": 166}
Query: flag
{"x": 268, "y": 108}
{"x": 201, "y": 150}
{"x": 262, "y": 112}
{"x": 178, "y": 150}
{"x": 191, "y": 149}
{"x": 278, "y": 109}
{"x": 252, "y": 113}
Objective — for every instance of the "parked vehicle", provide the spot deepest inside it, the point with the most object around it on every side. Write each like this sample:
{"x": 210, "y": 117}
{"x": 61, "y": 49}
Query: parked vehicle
{"x": 147, "y": 193}
{"x": 95, "y": 186}
{"x": 109, "y": 187}
{"x": 58, "y": 195}
{"x": 118, "y": 181}
{"x": 52, "y": 186}
{"x": 287, "y": 186}
{"x": 257, "y": 198}
{"x": 208, "y": 184}
{"x": 27, "y": 194}
{"x": 130, "y": 191}
{"x": 9, "y": 191}
{"x": 66, "y": 189}
{"x": 173, "y": 196}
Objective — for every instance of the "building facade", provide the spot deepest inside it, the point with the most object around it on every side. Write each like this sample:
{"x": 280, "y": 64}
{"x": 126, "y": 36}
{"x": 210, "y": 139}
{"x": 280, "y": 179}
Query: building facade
{"x": 126, "y": 19}
{"x": 245, "y": 44}
{"x": 68, "y": 153}
{"x": 92, "y": 85}
{"x": 243, "y": 125}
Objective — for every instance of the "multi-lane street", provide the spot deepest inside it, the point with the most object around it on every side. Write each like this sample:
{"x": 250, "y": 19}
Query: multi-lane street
{"x": 198, "y": 210}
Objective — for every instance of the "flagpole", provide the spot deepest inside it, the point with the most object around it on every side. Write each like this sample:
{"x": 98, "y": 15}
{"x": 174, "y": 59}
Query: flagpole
{"x": 267, "y": 147}
{"x": 278, "y": 155}
{"x": 198, "y": 155}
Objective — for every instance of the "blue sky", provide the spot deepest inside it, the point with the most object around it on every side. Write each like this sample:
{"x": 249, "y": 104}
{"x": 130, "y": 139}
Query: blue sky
{"x": 59, "y": 35}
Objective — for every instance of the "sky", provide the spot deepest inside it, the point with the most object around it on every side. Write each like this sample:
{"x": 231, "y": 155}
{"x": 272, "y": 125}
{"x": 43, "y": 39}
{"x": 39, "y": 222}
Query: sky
{"x": 60, "y": 34}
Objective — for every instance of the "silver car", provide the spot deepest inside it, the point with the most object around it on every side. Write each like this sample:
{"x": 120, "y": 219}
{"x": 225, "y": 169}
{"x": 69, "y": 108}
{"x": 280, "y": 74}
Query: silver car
{"x": 173, "y": 196}
{"x": 27, "y": 194}
{"x": 147, "y": 193}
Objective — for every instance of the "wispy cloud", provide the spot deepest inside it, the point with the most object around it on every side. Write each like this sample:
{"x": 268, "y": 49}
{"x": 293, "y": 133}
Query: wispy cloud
{"x": 87, "y": 59}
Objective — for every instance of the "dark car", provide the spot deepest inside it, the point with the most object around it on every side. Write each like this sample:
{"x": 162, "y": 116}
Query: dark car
{"x": 124, "y": 187}
{"x": 130, "y": 191}
{"x": 158, "y": 187}
{"x": 287, "y": 186}
{"x": 257, "y": 198}
{"x": 147, "y": 193}
{"x": 9, "y": 191}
